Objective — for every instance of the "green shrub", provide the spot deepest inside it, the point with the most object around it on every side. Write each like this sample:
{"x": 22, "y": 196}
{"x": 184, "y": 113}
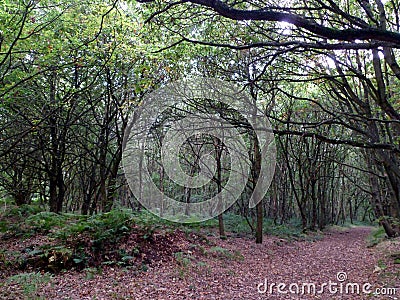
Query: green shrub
{"x": 44, "y": 221}
{"x": 4, "y": 225}
{"x": 22, "y": 211}
{"x": 14, "y": 215}
{"x": 110, "y": 225}
{"x": 236, "y": 224}
{"x": 285, "y": 230}
{"x": 376, "y": 236}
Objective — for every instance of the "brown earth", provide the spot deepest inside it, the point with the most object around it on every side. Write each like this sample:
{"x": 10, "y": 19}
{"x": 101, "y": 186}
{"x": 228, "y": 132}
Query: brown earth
{"x": 237, "y": 268}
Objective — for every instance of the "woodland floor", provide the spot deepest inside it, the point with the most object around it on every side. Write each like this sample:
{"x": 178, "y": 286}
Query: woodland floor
{"x": 193, "y": 267}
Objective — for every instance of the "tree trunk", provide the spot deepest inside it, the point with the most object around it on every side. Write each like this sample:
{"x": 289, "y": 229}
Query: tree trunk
{"x": 218, "y": 153}
{"x": 259, "y": 206}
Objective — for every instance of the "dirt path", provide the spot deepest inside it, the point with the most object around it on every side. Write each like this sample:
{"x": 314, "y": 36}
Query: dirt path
{"x": 342, "y": 254}
{"x": 237, "y": 268}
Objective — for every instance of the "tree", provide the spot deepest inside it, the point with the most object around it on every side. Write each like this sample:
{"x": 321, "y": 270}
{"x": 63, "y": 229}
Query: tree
{"x": 344, "y": 45}
{"x": 68, "y": 88}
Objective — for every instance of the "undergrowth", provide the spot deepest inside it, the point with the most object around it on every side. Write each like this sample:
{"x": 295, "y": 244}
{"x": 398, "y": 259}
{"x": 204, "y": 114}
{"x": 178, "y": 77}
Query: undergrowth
{"x": 77, "y": 241}
{"x": 26, "y": 284}
{"x": 376, "y": 236}
{"x": 80, "y": 242}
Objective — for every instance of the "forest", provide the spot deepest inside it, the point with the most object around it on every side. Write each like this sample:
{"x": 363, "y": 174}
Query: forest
{"x": 190, "y": 149}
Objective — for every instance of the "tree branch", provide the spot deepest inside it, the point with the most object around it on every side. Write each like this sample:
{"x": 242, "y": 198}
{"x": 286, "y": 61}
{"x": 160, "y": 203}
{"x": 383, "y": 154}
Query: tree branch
{"x": 365, "y": 145}
{"x": 300, "y": 21}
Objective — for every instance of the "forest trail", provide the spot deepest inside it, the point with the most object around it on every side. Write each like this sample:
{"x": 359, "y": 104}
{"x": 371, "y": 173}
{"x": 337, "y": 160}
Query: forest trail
{"x": 237, "y": 268}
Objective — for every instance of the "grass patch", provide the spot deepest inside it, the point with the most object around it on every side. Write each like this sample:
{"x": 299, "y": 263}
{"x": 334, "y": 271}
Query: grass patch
{"x": 237, "y": 224}
{"x": 287, "y": 231}
{"x": 359, "y": 223}
{"x": 377, "y": 236}
{"x": 223, "y": 253}
{"x": 185, "y": 261}
{"x": 29, "y": 283}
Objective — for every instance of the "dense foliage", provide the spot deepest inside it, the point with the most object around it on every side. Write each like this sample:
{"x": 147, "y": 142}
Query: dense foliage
{"x": 325, "y": 73}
